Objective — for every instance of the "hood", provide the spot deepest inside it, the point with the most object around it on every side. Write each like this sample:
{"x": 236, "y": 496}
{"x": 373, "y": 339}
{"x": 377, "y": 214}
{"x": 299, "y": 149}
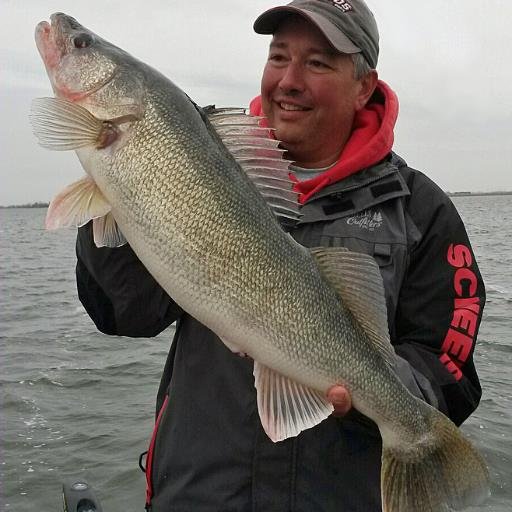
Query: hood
{"x": 371, "y": 140}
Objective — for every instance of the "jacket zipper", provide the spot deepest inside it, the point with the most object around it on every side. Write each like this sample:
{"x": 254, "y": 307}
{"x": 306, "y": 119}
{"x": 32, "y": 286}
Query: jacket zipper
{"x": 149, "y": 460}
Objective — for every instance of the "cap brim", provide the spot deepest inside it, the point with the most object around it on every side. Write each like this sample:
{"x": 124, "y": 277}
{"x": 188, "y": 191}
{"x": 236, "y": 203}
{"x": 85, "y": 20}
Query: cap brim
{"x": 269, "y": 21}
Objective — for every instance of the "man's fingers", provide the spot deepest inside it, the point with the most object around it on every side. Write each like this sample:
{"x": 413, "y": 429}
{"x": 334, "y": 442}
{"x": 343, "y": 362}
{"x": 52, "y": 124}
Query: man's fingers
{"x": 340, "y": 399}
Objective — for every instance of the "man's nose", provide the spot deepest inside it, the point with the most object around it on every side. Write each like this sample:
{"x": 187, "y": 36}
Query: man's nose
{"x": 292, "y": 79}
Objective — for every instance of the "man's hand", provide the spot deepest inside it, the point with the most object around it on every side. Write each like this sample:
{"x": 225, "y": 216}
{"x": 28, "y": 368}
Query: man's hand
{"x": 340, "y": 398}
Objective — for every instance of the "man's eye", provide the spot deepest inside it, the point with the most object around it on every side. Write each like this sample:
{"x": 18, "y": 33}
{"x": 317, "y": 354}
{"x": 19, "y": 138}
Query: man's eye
{"x": 318, "y": 64}
{"x": 276, "y": 58}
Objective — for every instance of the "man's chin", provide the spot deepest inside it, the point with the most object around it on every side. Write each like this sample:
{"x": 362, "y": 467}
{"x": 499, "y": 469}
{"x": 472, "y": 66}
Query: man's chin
{"x": 288, "y": 138}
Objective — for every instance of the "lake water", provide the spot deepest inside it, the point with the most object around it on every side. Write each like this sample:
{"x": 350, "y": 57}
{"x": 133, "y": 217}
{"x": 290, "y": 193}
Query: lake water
{"x": 78, "y": 404}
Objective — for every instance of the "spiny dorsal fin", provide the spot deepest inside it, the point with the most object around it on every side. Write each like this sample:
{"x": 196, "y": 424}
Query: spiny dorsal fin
{"x": 286, "y": 407}
{"x": 258, "y": 155}
{"x": 357, "y": 280}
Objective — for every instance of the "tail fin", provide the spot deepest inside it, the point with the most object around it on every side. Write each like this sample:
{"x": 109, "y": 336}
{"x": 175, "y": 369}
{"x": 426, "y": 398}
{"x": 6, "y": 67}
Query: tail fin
{"x": 438, "y": 475}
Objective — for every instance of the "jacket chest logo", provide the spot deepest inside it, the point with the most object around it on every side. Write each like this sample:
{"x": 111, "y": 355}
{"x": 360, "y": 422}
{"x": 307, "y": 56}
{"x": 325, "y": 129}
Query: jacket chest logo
{"x": 368, "y": 219}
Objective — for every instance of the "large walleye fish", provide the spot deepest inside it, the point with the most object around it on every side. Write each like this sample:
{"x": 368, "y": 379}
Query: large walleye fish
{"x": 190, "y": 190}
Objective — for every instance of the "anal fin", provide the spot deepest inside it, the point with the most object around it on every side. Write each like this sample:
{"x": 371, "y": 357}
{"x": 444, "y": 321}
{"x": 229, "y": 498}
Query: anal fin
{"x": 286, "y": 407}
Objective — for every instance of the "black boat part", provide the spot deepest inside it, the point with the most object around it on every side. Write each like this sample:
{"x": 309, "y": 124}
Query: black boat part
{"x": 78, "y": 496}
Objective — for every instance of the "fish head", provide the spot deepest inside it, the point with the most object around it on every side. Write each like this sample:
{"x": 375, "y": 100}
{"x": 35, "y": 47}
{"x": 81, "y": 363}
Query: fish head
{"x": 84, "y": 68}
{"x": 101, "y": 105}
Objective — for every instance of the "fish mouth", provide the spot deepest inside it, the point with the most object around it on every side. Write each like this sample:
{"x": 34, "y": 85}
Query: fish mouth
{"x": 46, "y": 45}
{"x": 51, "y": 40}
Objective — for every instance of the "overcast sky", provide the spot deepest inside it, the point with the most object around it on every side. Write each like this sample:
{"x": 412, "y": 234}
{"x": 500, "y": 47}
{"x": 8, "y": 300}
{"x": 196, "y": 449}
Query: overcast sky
{"x": 448, "y": 61}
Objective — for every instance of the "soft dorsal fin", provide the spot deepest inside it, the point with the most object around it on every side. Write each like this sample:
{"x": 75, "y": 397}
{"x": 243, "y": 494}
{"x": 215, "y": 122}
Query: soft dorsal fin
{"x": 357, "y": 280}
{"x": 258, "y": 155}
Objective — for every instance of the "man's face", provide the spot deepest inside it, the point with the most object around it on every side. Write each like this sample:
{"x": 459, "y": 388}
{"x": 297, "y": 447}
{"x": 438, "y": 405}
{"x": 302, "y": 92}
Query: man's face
{"x": 309, "y": 93}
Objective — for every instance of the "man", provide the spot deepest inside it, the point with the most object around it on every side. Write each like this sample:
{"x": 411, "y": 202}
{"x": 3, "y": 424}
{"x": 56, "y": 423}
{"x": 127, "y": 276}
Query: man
{"x": 335, "y": 119}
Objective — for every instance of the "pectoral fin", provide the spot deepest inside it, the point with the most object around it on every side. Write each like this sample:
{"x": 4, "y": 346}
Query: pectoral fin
{"x": 286, "y": 408}
{"x": 61, "y": 125}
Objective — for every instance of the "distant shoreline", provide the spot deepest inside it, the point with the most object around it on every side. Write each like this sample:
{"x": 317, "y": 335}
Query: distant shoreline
{"x": 450, "y": 194}
{"x": 465, "y": 194}
{"x": 28, "y": 205}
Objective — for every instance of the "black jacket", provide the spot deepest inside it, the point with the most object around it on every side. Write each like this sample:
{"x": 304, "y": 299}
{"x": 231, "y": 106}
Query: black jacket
{"x": 209, "y": 451}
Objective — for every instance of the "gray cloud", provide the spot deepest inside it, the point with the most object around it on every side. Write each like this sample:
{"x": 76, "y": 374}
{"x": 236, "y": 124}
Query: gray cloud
{"x": 447, "y": 61}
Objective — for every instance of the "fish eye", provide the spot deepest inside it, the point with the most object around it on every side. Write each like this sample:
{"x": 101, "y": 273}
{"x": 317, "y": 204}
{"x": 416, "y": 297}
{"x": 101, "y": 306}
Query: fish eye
{"x": 82, "y": 40}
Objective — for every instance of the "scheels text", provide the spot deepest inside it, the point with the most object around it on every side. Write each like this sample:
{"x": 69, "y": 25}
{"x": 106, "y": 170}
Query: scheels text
{"x": 459, "y": 339}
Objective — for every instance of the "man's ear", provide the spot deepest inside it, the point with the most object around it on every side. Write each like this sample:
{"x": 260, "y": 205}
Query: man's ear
{"x": 368, "y": 85}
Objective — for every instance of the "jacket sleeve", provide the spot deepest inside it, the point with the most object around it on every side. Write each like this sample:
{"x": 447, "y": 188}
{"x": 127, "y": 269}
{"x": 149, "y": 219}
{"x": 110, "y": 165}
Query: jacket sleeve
{"x": 117, "y": 291}
{"x": 441, "y": 302}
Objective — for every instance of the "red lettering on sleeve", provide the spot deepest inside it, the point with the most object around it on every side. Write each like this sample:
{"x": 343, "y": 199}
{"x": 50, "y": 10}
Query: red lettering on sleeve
{"x": 465, "y": 319}
{"x": 471, "y": 303}
{"x": 457, "y": 344}
{"x": 451, "y": 366}
{"x": 459, "y": 256}
{"x": 465, "y": 274}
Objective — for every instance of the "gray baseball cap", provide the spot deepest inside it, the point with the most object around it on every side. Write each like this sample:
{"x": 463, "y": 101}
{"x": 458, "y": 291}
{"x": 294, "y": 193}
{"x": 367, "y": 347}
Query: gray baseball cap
{"x": 348, "y": 25}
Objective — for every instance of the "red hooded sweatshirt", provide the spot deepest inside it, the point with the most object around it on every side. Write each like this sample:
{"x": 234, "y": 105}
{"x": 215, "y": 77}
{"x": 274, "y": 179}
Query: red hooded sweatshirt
{"x": 370, "y": 141}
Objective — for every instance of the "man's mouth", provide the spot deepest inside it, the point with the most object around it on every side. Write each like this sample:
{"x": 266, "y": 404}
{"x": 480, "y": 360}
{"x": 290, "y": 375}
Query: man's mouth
{"x": 289, "y": 107}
